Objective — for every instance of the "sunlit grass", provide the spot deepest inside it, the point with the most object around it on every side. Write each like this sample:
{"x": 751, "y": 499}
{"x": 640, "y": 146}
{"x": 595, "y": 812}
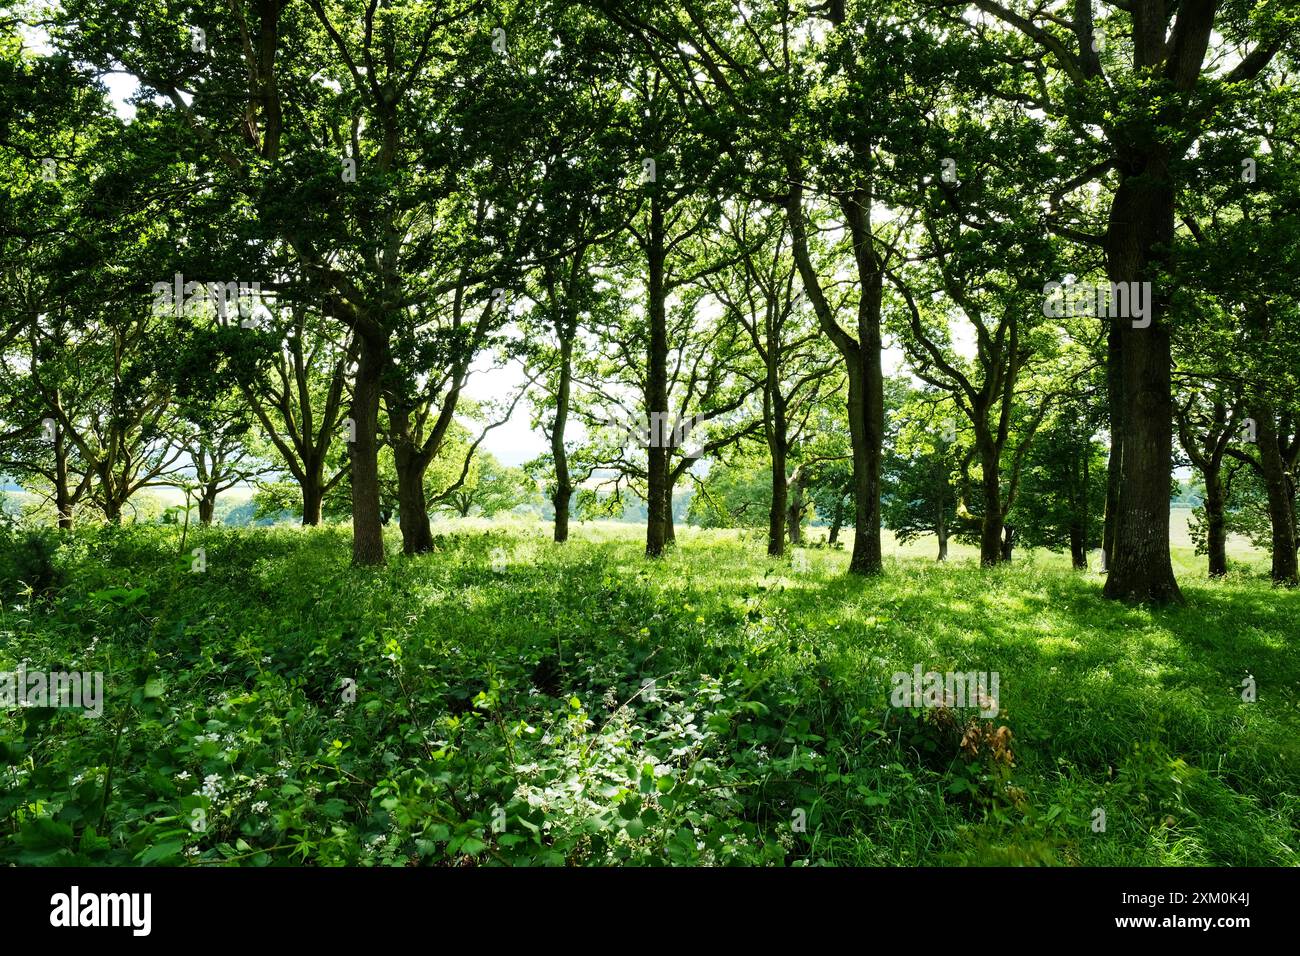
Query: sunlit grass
{"x": 1134, "y": 710}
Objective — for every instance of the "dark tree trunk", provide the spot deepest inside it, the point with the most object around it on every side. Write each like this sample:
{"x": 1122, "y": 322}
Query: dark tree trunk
{"x": 1139, "y": 235}
{"x": 941, "y": 520}
{"x": 991, "y": 546}
{"x": 1281, "y": 495}
{"x": 367, "y": 526}
{"x": 207, "y": 508}
{"x": 410, "y": 463}
{"x": 112, "y": 504}
{"x": 1009, "y": 534}
{"x": 62, "y": 498}
{"x": 1078, "y": 548}
{"x": 561, "y": 505}
{"x": 313, "y": 497}
{"x": 837, "y": 520}
{"x": 658, "y": 503}
{"x": 776, "y": 514}
{"x": 776, "y": 446}
{"x": 1216, "y": 525}
{"x": 413, "y": 507}
{"x": 866, "y": 408}
{"x": 563, "y": 489}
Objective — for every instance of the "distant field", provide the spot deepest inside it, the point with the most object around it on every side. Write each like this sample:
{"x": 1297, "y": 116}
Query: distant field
{"x": 1186, "y": 561}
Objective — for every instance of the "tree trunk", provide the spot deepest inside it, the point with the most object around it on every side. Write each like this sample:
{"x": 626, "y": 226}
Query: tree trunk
{"x": 1078, "y": 548}
{"x": 313, "y": 497}
{"x": 780, "y": 487}
{"x": 62, "y": 498}
{"x": 1216, "y": 525}
{"x": 413, "y": 506}
{"x": 941, "y": 532}
{"x": 866, "y": 406}
{"x": 1139, "y": 235}
{"x": 794, "y": 508}
{"x": 776, "y": 514}
{"x": 207, "y": 508}
{"x": 657, "y": 454}
{"x": 112, "y": 503}
{"x": 367, "y": 526}
{"x": 1009, "y": 534}
{"x": 563, "y": 489}
{"x": 866, "y": 400}
{"x": 991, "y": 546}
{"x": 1281, "y": 497}
{"x": 410, "y": 463}
{"x": 837, "y": 520}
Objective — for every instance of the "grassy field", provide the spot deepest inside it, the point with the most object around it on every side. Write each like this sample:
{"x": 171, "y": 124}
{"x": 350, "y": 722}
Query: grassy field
{"x": 505, "y": 701}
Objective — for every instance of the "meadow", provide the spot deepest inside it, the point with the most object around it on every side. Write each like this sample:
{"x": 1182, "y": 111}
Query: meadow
{"x": 506, "y": 701}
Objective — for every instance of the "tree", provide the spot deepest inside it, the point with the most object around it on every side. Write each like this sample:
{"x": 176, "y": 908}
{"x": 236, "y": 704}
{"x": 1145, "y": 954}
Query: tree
{"x": 1208, "y": 424}
{"x": 920, "y": 494}
{"x": 1136, "y": 85}
{"x": 343, "y": 127}
{"x": 214, "y": 437}
{"x": 1063, "y": 491}
{"x": 759, "y": 293}
{"x": 492, "y": 489}
{"x": 809, "y": 122}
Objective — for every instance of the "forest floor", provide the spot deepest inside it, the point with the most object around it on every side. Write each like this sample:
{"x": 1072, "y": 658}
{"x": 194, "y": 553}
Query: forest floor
{"x": 504, "y": 700}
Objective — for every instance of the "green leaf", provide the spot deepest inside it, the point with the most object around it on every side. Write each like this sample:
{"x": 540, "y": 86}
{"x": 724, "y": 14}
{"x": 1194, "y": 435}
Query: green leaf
{"x": 162, "y": 851}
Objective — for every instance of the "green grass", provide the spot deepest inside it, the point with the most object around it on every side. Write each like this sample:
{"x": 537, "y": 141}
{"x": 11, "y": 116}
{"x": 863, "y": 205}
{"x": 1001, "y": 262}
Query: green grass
{"x": 502, "y": 714}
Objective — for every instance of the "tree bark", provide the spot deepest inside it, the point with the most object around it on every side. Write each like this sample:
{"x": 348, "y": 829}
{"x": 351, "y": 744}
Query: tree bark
{"x": 1281, "y": 495}
{"x": 313, "y": 497}
{"x": 837, "y": 521}
{"x": 866, "y": 407}
{"x": 780, "y": 501}
{"x": 775, "y": 426}
{"x": 1216, "y": 525}
{"x": 563, "y": 489}
{"x": 991, "y": 545}
{"x": 367, "y": 526}
{"x": 1139, "y": 235}
{"x": 658, "y": 452}
{"x": 412, "y": 504}
{"x": 1078, "y": 548}
{"x": 62, "y": 498}
{"x": 795, "y": 505}
{"x": 413, "y": 507}
{"x": 941, "y": 518}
